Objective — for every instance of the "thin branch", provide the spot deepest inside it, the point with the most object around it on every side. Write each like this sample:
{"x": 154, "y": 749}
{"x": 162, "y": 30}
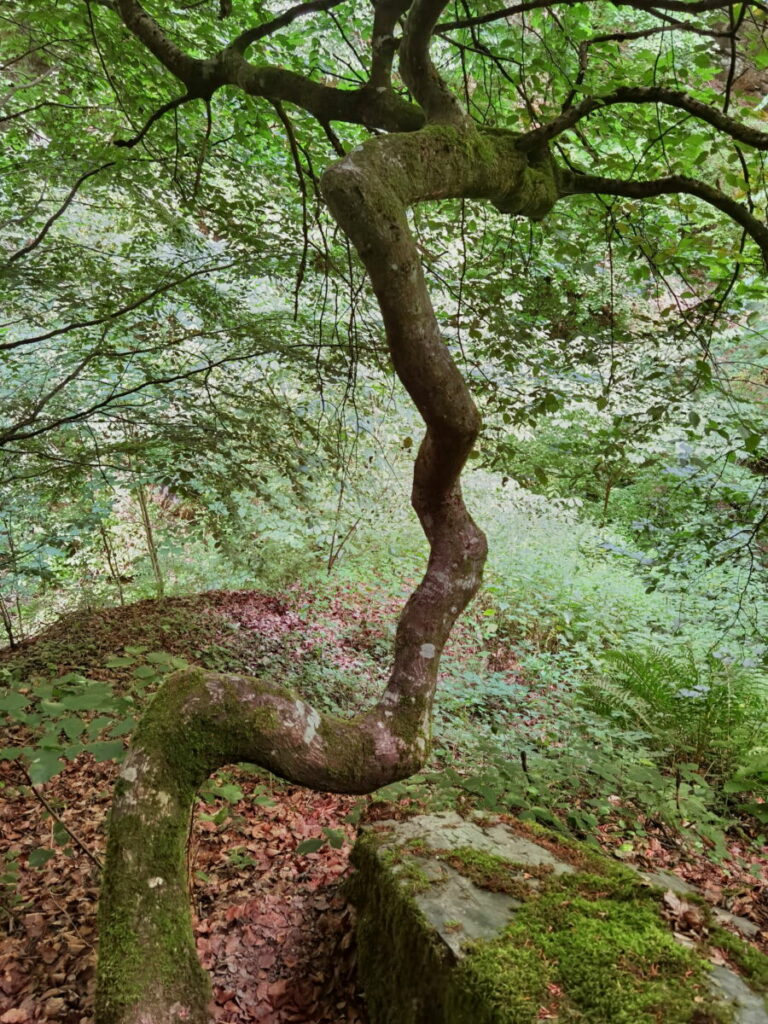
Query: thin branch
{"x": 55, "y": 216}
{"x": 334, "y": 140}
{"x": 295, "y": 156}
{"x": 641, "y": 95}
{"x": 45, "y": 103}
{"x": 160, "y": 112}
{"x": 13, "y": 434}
{"x": 653, "y": 7}
{"x": 203, "y": 148}
{"x": 579, "y": 184}
{"x": 82, "y": 324}
{"x": 625, "y": 37}
{"x": 56, "y": 817}
{"x": 251, "y": 35}
{"x": 735, "y": 24}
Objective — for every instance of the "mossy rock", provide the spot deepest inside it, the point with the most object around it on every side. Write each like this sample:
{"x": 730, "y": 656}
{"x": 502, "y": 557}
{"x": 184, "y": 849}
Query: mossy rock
{"x": 490, "y": 922}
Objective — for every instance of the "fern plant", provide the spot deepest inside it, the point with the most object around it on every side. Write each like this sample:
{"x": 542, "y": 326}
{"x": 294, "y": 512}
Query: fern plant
{"x": 709, "y": 712}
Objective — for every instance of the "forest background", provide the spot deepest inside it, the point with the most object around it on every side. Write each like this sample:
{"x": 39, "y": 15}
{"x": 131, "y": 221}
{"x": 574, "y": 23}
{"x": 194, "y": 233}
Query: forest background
{"x": 196, "y": 394}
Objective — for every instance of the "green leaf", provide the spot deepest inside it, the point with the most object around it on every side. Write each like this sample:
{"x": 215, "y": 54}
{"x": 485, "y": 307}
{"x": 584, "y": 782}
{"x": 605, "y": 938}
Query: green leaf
{"x": 335, "y": 837}
{"x": 107, "y": 750}
{"x": 116, "y": 661}
{"x": 11, "y": 753}
{"x": 38, "y": 858}
{"x": 752, "y": 442}
{"x": 229, "y": 792}
{"x": 60, "y": 835}
{"x": 310, "y": 846}
{"x": 12, "y": 703}
{"x": 72, "y": 727}
{"x": 97, "y": 697}
{"x": 44, "y": 765}
{"x": 158, "y": 657}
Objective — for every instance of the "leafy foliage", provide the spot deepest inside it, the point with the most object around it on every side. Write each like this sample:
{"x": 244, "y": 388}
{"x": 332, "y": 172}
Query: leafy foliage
{"x": 711, "y": 714}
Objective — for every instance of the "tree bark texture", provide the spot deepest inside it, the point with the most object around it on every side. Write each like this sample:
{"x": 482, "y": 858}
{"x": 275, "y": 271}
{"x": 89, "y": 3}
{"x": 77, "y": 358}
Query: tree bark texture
{"x": 200, "y": 721}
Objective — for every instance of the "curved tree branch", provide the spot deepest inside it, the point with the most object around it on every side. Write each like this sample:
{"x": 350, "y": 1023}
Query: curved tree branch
{"x": 252, "y": 35}
{"x": 646, "y": 94}
{"x": 367, "y": 105}
{"x": 580, "y": 184}
{"x": 417, "y": 69}
{"x": 189, "y": 70}
{"x": 383, "y": 44}
{"x": 77, "y": 325}
{"x": 166, "y": 108}
{"x": 55, "y": 216}
{"x": 653, "y": 7}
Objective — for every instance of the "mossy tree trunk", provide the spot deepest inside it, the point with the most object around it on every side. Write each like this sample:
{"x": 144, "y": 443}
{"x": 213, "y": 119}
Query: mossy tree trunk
{"x": 199, "y": 721}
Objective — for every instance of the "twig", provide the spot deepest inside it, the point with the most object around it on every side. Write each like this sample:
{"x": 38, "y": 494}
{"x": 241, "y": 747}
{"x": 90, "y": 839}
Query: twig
{"x": 55, "y": 216}
{"x": 70, "y": 832}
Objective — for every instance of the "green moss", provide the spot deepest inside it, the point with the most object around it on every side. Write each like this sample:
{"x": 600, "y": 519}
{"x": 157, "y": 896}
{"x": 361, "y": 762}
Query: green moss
{"x": 751, "y": 962}
{"x": 408, "y": 723}
{"x": 350, "y": 748}
{"x": 394, "y": 940}
{"x": 596, "y": 939}
{"x": 611, "y": 962}
{"x": 578, "y": 854}
{"x": 496, "y": 874}
{"x": 147, "y": 946}
{"x": 590, "y": 947}
{"x": 412, "y": 877}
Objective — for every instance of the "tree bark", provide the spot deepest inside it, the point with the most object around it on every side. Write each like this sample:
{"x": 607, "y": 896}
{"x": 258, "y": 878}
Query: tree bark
{"x": 200, "y": 721}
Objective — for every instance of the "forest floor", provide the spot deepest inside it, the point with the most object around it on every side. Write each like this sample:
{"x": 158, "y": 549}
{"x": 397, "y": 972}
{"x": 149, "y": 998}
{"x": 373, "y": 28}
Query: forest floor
{"x": 272, "y": 925}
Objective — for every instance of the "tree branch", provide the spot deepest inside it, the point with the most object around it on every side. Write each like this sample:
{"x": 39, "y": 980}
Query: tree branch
{"x": 251, "y": 35}
{"x": 383, "y": 44}
{"x": 650, "y": 6}
{"x": 640, "y": 95}
{"x": 160, "y": 112}
{"x": 55, "y": 216}
{"x": 97, "y": 321}
{"x": 417, "y": 69}
{"x": 189, "y": 70}
{"x": 575, "y": 183}
{"x": 367, "y": 106}
{"x": 56, "y": 817}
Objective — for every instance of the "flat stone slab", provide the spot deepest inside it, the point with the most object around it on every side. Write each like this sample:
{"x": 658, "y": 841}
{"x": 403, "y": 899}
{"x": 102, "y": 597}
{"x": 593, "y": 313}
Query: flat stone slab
{"x": 495, "y": 922}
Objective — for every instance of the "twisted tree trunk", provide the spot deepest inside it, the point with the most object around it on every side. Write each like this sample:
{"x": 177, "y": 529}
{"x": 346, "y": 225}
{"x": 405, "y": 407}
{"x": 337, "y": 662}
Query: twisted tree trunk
{"x": 200, "y": 721}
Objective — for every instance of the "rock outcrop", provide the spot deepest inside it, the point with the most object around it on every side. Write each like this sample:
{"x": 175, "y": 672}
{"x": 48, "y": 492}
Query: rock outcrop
{"x": 499, "y": 922}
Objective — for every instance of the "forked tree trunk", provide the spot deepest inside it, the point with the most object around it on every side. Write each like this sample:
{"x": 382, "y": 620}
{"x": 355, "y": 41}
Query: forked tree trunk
{"x": 200, "y": 721}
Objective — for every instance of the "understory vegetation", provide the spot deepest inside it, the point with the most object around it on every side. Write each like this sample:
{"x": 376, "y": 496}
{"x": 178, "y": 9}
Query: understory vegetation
{"x": 584, "y": 689}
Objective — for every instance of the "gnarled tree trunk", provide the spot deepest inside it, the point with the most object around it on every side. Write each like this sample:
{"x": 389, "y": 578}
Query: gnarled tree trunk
{"x": 199, "y": 721}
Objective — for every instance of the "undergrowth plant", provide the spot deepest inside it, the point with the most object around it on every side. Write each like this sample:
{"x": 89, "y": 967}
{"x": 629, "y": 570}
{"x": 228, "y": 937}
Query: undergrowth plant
{"x": 712, "y": 711}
